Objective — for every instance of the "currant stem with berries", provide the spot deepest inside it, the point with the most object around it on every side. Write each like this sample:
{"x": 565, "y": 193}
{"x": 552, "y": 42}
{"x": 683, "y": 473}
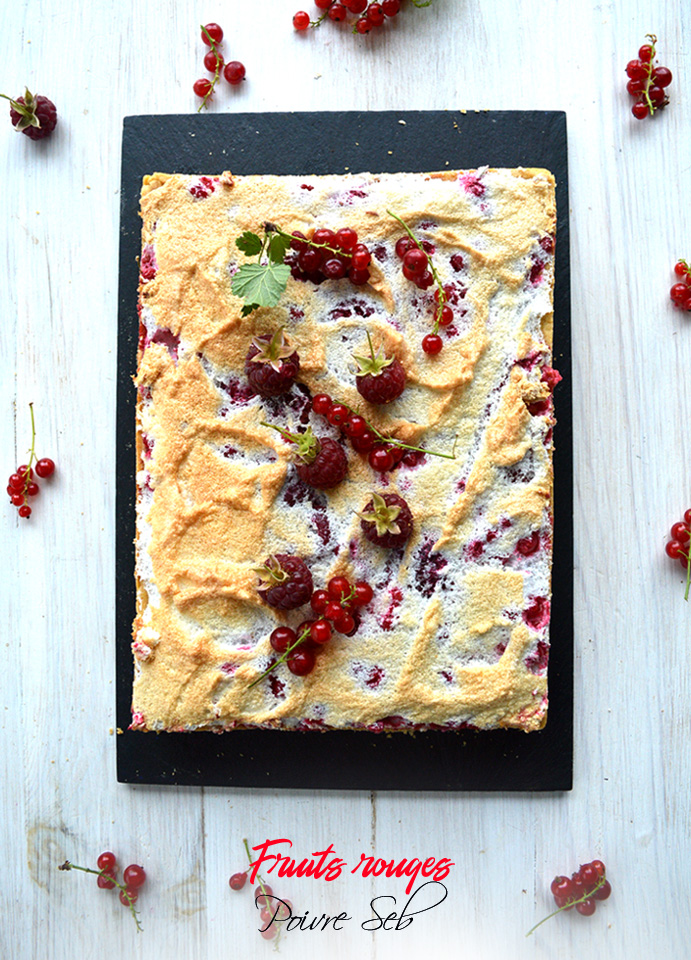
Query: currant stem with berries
{"x": 391, "y": 440}
{"x": 283, "y": 657}
{"x": 572, "y": 903}
{"x": 127, "y": 898}
{"x": 679, "y": 547}
{"x": 432, "y": 342}
{"x": 209, "y": 40}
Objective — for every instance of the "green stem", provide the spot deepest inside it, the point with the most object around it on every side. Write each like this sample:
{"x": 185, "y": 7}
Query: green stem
{"x": 104, "y": 873}
{"x": 649, "y": 81}
{"x": 399, "y": 443}
{"x": 433, "y": 270}
{"x": 337, "y": 252}
{"x": 572, "y": 903}
{"x": 282, "y": 658}
{"x": 31, "y": 453}
{"x": 218, "y": 68}
{"x": 688, "y": 573}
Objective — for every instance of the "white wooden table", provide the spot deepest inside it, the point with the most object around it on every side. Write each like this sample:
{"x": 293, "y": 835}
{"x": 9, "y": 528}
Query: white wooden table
{"x": 630, "y": 194}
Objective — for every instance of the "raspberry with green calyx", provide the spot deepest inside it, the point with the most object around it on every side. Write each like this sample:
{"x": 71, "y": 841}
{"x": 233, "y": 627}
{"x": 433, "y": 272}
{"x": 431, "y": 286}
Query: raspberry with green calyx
{"x": 271, "y": 364}
{"x": 387, "y": 520}
{"x": 286, "y": 581}
{"x": 35, "y": 117}
{"x": 319, "y": 461}
{"x": 379, "y": 379}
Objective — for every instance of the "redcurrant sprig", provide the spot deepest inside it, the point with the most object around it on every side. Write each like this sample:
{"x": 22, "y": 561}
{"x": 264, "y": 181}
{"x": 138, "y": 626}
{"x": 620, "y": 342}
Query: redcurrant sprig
{"x": 22, "y": 484}
{"x": 679, "y": 547}
{"x": 134, "y": 877}
{"x": 647, "y": 82}
{"x": 680, "y": 294}
{"x": 418, "y": 267}
{"x": 211, "y": 35}
{"x": 582, "y": 891}
{"x": 262, "y": 895}
{"x": 362, "y": 433}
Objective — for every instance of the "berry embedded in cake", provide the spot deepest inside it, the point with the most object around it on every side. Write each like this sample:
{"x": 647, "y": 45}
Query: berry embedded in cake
{"x": 315, "y": 412}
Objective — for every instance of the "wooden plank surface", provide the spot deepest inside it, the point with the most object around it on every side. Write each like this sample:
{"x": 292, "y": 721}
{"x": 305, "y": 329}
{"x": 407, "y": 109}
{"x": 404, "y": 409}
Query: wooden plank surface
{"x": 630, "y": 187}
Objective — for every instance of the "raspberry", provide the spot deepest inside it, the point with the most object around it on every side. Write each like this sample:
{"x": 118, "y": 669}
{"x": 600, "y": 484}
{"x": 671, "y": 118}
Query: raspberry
{"x": 387, "y": 520}
{"x": 271, "y": 365}
{"x": 379, "y": 379}
{"x": 286, "y": 582}
{"x": 34, "y": 116}
{"x": 329, "y": 466}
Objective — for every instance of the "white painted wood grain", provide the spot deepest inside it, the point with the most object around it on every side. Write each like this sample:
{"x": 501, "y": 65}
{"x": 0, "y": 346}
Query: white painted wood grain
{"x": 630, "y": 193}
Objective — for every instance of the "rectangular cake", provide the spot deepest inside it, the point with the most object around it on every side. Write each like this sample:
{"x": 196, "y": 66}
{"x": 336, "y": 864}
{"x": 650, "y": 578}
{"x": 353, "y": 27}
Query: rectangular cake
{"x": 344, "y": 441}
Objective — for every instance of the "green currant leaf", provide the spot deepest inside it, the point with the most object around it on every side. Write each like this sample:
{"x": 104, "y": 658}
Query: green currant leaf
{"x": 249, "y": 243}
{"x": 278, "y": 245}
{"x": 261, "y": 284}
{"x": 248, "y": 309}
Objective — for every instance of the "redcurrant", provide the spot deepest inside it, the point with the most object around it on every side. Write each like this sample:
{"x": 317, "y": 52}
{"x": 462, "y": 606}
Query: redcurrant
{"x": 237, "y": 881}
{"x": 301, "y": 20}
{"x": 214, "y": 31}
{"x": 234, "y": 72}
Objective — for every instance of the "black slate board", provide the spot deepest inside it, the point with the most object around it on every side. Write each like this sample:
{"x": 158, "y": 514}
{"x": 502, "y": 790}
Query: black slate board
{"x": 320, "y": 143}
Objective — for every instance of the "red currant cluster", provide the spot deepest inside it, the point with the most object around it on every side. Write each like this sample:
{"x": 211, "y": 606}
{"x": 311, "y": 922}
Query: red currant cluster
{"x": 680, "y": 294}
{"x": 373, "y": 14}
{"x": 585, "y": 887}
{"x": 330, "y": 256}
{"x": 263, "y": 895}
{"x": 133, "y": 877}
{"x": 233, "y": 71}
{"x": 22, "y": 483}
{"x": 679, "y": 544}
{"x": 337, "y": 610}
{"x": 418, "y": 267}
{"x": 383, "y": 455}
{"x": 647, "y": 82}
{"x": 582, "y": 890}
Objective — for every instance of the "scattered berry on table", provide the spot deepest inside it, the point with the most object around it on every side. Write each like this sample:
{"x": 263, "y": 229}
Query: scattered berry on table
{"x": 647, "y": 82}
{"x": 237, "y": 881}
{"x": 271, "y": 364}
{"x": 678, "y": 547}
{"x": 211, "y": 32}
{"x": 379, "y": 379}
{"x": 203, "y": 88}
{"x": 680, "y": 293}
{"x": 213, "y": 61}
{"x": 22, "y": 484}
{"x": 301, "y": 20}
{"x": 106, "y": 879}
{"x": 286, "y": 581}
{"x": 370, "y": 13}
{"x": 234, "y": 72}
{"x": 34, "y": 116}
{"x": 134, "y": 875}
{"x": 582, "y": 890}
{"x": 387, "y": 520}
